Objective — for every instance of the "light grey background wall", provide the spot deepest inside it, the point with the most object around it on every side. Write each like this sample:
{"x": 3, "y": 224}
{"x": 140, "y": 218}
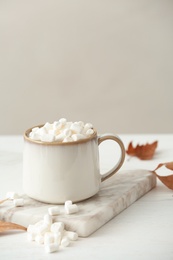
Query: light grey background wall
{"x": 109, "y": 62}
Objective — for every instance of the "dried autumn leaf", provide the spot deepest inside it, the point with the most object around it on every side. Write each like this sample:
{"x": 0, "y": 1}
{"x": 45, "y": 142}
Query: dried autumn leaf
{"x": 143, "y": 152}
{"x": 168, "y": 165}
{"x": 5, "y": 226}
{"x": 166, "y": 180}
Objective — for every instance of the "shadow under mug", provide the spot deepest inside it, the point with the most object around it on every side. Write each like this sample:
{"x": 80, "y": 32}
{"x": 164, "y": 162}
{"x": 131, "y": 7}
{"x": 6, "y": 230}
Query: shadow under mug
{"x": 55, "y": 172}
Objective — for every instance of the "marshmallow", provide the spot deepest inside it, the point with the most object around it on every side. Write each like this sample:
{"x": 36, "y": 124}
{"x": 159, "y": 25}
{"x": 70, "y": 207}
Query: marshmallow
{"x": 57, "y": 227}
{"x": 70, "y": 209}
{"x": 48, "y": 238}
{"x": 48, "y": 219}
{"x": 53, "y": 211}
{"x": 62, "y": 131}
{"x": 42, "y": 229}
{"x": 59, "y": 137}
{"x": 81, "y": 123}
{"x": 87, "y": 126}
{"x": 90, "y": 131}
{"x": 68, "y": 202}
{"x": 67, "y": 132}
{"x": 47, "y": 138}
{"x": 76, "y": 128}
{"x": 51, "y": 248}
{"x": 34, "y": 136}
{"x": 63, "y": 121}
{"x": 35, "y": 129}
{"x": 67, "y": 139}
{"x": 31, "y": 229}
{"x": 77, "y": 137}
{"x": 57, "y": 238}
{"x": 48, "y": 126}
{"x": 57, "y": 125}
{"x": 42, "y": 131}
{"x": 31, "y": 236}
{"x": 39, "y": 239}
{"x": 71, "y": 235}
{"x": 65, "y": 241}
{"x": 18, "y": 202}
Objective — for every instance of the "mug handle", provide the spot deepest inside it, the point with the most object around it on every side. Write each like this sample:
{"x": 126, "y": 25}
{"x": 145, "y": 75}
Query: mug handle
{"x": 118, "y": 165}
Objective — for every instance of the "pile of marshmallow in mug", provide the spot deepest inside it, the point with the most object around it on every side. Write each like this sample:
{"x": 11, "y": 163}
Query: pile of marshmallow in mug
{"x": 62, "y": 131}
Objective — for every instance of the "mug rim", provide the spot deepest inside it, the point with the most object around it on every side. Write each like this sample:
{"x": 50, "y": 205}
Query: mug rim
{"x": 27, "y": 138}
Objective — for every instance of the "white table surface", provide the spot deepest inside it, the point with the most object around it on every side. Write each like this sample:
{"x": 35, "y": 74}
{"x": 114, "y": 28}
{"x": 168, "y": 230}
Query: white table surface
{"x": 142, "y": 231}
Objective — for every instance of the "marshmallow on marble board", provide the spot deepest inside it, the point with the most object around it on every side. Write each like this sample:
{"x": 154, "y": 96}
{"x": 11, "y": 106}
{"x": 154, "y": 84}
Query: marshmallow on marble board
{"x": 18, "y": 202}
{"x": 12, "y": 195}
{"x": 57, "y": 227}
{"x": 50, "y": 248}
{"x": 71, "y": 209}
{"x": 68, "y": 202}
{"x": 54, "y": 211}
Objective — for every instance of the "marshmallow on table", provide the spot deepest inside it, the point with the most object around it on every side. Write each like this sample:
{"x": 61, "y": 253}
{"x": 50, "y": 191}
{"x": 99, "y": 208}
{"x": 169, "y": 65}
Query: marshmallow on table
{"x": 71, "y": 235}
{"x": 57, "y": 227}
{"x": 65, "y": 241}
{"x": 39, "y": 239}
{"x": 52, "y": 235}
{"x": 50, "y": 248}
{"x": 48, "y": 238}
{"x": 42, "y": 229}
{"x": 57, "y": 237}
{"x": 31, "y": 236}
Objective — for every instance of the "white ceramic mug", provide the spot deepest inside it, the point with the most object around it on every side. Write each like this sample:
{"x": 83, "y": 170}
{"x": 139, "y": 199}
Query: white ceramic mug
{"x": 55, "y": 172}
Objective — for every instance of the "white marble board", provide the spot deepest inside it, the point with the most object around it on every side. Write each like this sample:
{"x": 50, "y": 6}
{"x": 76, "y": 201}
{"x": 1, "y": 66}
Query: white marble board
{"x": 115, "y": 195}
